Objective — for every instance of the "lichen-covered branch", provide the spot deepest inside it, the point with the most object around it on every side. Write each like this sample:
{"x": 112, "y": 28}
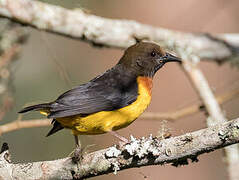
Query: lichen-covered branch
{"x": 139, "y": 152}
{"x": 115, "y": 33}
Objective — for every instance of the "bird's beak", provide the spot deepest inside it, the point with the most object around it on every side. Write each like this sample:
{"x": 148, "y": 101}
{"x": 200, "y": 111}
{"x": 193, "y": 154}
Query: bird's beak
{"x": 171, "y": 58}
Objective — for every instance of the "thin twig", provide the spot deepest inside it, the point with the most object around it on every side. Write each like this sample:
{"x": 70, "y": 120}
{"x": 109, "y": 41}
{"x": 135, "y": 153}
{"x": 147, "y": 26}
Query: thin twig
{"x": 23, "y": 124}
{"x": 201, "y": 85}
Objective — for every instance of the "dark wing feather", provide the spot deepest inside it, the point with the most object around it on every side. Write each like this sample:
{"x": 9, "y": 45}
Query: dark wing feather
{"x": 56, "y": 127}
{"x": 87, "y": 99}
{"x": 110, "y": 91}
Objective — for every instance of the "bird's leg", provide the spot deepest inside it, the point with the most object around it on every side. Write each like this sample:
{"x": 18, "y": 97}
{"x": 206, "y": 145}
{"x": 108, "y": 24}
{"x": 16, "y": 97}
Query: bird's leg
{"x": 78, "y": 144}
{"x": 122, "y": 139}
{"x": 77, "y": 156}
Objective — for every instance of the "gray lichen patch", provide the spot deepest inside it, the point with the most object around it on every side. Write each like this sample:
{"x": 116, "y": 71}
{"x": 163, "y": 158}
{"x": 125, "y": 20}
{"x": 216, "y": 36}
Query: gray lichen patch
{"x": 115, "y": 167}
{"x": 112, "y": 152}
{"x": 231, "y": 132}
{"x": 142, "y": 147}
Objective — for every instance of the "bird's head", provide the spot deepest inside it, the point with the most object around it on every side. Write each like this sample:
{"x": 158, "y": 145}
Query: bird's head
{"x": 145, "y": 59}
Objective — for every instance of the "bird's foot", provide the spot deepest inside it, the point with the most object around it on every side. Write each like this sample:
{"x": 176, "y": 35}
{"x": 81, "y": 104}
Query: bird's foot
{"x": 77, "y": 155}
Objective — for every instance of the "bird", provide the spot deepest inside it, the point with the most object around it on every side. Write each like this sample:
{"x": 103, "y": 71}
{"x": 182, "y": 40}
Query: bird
{"x": 112, "y": 100}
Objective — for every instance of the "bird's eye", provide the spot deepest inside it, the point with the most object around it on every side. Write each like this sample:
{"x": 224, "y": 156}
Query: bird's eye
{"x": 153, "y": 53}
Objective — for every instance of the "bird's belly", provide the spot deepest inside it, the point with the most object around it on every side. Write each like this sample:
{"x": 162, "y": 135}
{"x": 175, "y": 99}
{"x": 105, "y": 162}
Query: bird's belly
{"x": 105, "y": 121}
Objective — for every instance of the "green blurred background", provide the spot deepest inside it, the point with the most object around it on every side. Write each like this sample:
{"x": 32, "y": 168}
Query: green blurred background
{"x": 37, "y": 79}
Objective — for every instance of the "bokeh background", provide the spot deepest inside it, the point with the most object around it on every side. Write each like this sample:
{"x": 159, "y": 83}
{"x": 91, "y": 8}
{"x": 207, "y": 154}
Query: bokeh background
{"x": 37, "y": 78}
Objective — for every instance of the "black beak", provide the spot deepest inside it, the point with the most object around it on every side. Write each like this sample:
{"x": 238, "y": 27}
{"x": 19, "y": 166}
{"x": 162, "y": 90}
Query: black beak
{"x": 171, "y": 58}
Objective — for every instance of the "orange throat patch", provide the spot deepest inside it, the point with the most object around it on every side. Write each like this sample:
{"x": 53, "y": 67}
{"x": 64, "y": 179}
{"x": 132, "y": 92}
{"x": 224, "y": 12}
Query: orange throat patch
{"x": 146, "y": 82}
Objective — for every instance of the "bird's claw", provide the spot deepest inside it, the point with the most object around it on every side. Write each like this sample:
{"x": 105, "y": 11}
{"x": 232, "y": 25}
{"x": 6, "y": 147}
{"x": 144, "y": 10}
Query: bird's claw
{"x": 77, "y": 155}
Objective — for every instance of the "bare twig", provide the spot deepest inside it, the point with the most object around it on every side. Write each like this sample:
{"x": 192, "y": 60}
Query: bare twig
{"x": 200, "y": 83}
{"x": 114, "y": 33}
{"x": 137, "y": 153}
{"x": 24, "y": 124}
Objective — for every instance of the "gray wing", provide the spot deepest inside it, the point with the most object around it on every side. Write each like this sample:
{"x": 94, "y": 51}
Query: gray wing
{"x": 86, "y": 99}
{"x": 91, "y": 98}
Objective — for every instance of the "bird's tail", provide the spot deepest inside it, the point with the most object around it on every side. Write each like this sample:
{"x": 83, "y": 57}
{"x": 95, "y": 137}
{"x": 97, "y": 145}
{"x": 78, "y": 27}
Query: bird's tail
{"x": 39, "y": 107}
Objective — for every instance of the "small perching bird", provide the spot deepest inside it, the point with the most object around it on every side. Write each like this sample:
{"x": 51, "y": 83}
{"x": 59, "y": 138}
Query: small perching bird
{"x": 112, "y": 100}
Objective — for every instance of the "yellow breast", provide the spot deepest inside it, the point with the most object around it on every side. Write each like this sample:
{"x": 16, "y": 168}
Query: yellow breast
{"x": 106, "y": 121}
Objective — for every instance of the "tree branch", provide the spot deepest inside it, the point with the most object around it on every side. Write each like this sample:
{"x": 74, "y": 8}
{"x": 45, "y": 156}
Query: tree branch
{"x": 19, "y": 124}
{"x": 137, "y": 153}
{"x": 115, "y": 33}
{"x": 11, "y": 37}
{"x": 122, "y": 33}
